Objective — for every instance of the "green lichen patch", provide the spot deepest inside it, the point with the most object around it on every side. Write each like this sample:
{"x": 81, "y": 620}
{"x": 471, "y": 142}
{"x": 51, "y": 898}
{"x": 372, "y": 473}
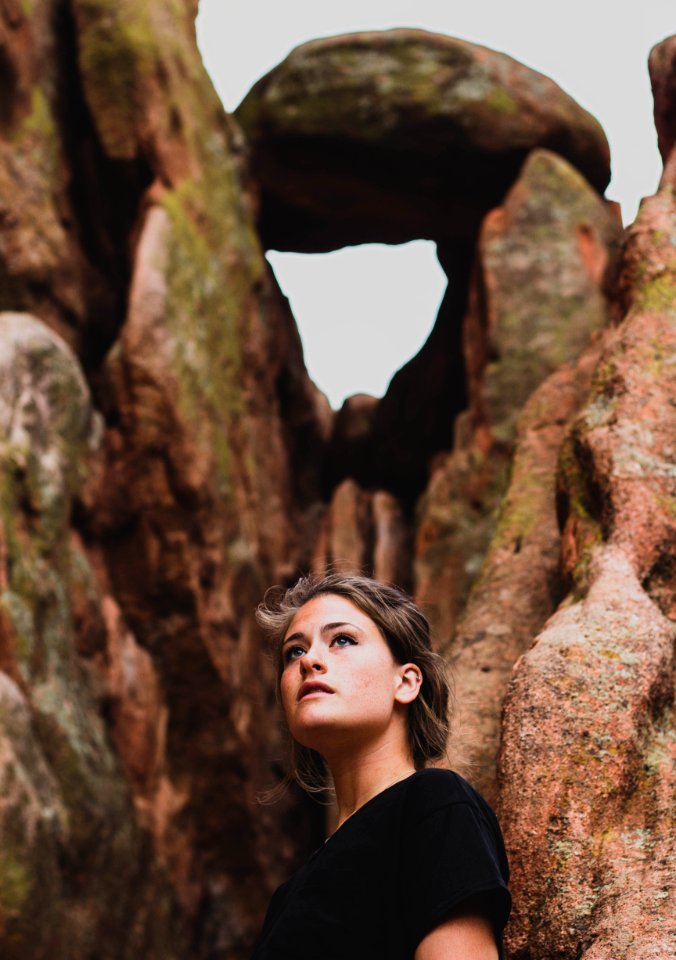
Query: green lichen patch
{"x": 204, "y": 316}
{"x": 501, "y": 101}
{"x": 33, "y": 243}
{"x": 658, "y": 294}
{"x": 215, "y": 268}
{"x": 15, "y": 882}
{"x": 38, "y": 135}
{"x": 118, "y": 53}
{"x": 521, "y": 510}
{"x": 41, "y": 464}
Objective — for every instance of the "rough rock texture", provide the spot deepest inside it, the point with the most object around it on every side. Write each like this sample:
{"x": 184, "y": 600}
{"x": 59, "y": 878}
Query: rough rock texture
{"x": 398, "y": 135}
{"x": 164, "y": 458}
{"x": 587, "y": 748}
{"x": 536, "y": 299}
{"x": 518, "y": 584}
{"x": 43, "y": 263}
{"x": 70, "y": 843}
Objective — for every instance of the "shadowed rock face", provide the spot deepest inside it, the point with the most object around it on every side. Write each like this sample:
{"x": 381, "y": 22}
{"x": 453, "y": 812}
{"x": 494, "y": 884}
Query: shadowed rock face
{"x": 395, "y": 136}
{"x": 662, "y": 66}
{"x": 536, "y": 298}
{"x": 164, "y": 458}
{"x": 363, "y": 530}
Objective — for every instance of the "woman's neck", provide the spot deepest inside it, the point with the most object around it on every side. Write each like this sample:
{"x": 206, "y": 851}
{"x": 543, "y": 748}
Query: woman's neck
{"x": 361, "y": 776}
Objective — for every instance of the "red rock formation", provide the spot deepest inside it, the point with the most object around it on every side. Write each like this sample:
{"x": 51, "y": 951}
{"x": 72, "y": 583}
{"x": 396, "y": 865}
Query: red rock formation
{"x": 518, "y": 584}
{"x": 587, "y": 749}
{"x": 418, "y": 135}
{"x": 44, "y": 264}
{"x": 198, "y": 511}
{"x": 161, "y": 471}
{"x": 363, "y": 533}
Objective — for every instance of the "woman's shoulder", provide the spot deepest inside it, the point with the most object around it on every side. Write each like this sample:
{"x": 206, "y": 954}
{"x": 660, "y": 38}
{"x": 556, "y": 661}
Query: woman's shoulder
{"x": 444, "y": 812}
{"x": 434, "y": 788}
{"x": 445, "y": 785}
{"x": 452, "y": 853}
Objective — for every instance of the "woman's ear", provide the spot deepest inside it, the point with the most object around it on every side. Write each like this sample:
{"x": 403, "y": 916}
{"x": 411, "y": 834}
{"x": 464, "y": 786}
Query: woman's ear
{"x": 409, "y": 681}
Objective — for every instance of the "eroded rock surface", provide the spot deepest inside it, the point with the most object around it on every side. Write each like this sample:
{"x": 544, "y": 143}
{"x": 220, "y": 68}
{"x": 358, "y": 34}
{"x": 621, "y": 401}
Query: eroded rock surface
{"x": 192, "y": 507}
{"x": 584, "y": 715}
{"x": 587, "y": 745}
{"x": 70, "y": 840}
{"x": 196, "y": 509}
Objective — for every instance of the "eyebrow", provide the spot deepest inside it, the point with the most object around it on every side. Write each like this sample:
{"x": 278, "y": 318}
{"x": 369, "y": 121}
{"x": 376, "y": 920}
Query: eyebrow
{"x": 327, "y": 628}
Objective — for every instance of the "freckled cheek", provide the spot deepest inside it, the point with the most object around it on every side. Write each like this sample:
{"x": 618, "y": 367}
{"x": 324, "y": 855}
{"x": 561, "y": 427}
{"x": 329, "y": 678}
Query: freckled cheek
{"x": 372, "y": 685}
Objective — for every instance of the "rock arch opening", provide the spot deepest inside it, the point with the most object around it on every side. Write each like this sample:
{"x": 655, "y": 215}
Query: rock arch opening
{"x": 362, "y": 312}
{"x": 383, "y": 438}
{"x": 342, "y": 158}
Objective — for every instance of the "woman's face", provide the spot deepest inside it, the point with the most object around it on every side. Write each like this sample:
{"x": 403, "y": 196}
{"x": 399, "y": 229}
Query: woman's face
{"x": 340, "y": 683}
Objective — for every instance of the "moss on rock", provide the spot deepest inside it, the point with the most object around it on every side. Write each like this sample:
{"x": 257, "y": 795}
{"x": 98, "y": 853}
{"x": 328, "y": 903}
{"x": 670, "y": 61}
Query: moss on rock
{"x": 68, "y": 836}
{"x": 117, "y": 53}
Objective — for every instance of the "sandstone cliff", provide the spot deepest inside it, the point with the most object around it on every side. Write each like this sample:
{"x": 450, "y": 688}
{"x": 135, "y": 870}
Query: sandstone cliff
{"x": 164, "y": 458}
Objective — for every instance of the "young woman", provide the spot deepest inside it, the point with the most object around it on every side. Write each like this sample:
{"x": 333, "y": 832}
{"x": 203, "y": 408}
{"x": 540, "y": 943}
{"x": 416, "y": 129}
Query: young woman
{"x": 416, "y": 868}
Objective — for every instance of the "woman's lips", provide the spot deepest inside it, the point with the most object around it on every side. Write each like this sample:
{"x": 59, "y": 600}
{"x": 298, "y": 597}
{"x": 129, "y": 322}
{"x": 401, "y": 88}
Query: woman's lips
{"x": 312, "y": 686}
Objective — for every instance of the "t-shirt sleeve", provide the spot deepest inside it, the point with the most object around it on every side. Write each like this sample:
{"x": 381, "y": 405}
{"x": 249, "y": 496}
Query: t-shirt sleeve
{"x": 449, "y": 856}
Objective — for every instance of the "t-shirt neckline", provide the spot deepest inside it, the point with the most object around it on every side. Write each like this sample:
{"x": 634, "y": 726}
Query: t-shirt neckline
{"x": 368, "y": 803}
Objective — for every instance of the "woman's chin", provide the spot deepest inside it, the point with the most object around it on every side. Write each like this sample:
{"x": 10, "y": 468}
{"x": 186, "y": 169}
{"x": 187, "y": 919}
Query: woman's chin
{"x": 319, "y": 730}
{"x": 315, "y": 730}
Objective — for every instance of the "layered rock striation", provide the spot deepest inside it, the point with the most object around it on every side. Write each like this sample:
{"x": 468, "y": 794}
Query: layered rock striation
{"x": 164, "y": 458}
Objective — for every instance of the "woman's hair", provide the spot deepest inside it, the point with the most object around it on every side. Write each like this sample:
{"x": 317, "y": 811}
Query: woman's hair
{"x": 407, "y": 633}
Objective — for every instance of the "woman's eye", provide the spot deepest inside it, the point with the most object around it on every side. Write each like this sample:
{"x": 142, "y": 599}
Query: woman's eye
{"x": 293, "y": 653}
{"x": 343, "y": 640}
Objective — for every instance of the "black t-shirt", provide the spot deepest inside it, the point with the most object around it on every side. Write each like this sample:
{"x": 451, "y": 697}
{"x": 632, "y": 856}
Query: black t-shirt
{"x": 395, "y": 870}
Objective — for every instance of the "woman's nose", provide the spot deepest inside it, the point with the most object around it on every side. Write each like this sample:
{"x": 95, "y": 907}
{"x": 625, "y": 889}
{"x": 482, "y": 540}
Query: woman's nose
{"x": 312, "y": 662}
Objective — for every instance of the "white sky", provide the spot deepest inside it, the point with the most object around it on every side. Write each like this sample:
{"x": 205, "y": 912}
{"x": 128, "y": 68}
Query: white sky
{"x": 363, "y": 311}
